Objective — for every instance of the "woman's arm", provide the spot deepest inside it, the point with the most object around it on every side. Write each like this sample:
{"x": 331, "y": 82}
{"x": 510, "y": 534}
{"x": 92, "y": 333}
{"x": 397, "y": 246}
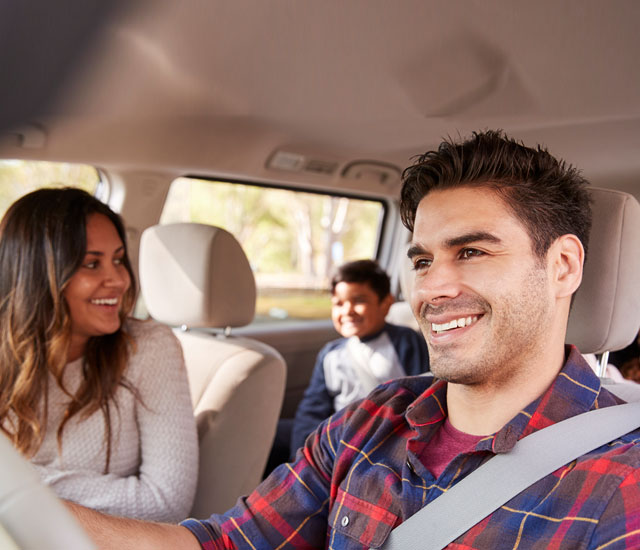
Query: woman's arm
{"x": 164, "y": 487}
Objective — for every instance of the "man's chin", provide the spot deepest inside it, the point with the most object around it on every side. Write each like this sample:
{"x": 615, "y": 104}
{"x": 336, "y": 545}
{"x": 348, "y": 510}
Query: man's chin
{"x": 453, "y": 371}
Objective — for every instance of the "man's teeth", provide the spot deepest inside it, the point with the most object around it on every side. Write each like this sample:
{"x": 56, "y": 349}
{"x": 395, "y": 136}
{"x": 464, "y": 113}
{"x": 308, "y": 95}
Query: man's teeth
{"x": 455, "y": 323}
{"x": 105, "y": 301}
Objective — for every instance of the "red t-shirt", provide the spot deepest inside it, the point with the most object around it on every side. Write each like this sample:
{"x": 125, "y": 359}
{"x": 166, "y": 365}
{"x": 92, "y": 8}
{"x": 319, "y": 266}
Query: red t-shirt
{"x": 447, "y": 443}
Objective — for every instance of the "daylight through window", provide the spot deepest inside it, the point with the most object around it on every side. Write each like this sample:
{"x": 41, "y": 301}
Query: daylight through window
{"x": 293, "y": 239}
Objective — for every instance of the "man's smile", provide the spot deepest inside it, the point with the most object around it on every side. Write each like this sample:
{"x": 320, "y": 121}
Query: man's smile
{"x": 461, "y": 322}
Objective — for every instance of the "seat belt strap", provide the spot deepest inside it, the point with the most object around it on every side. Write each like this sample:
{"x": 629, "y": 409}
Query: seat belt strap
{"x": 505, "y": 475}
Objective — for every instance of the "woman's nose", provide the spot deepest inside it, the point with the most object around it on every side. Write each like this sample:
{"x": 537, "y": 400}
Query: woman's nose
{"x": 116, "y": 276}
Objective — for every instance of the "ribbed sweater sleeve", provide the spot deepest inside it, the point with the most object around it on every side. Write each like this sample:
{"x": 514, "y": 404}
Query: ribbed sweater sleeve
{"x": 154, "y": 460}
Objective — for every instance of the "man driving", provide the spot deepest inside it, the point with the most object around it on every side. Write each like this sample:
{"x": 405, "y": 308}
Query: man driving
{"x": 500, "y": 233}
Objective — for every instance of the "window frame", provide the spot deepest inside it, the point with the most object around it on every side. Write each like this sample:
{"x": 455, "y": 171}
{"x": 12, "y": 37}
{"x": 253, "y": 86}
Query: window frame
{"x": 385, "y": 203}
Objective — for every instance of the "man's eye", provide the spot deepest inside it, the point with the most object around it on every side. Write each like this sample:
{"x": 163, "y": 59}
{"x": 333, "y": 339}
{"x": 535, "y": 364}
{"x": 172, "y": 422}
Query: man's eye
{"x": 471, "y": 253}
{"x": 422, "y": 263}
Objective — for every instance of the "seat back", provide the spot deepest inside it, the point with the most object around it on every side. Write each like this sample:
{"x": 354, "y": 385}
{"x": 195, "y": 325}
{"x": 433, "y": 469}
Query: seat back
{"x": 23, "y": 497}
{"x": 197, "y": 277}
{"x": 605, "y": 314}
{"x": 400, "y": 311}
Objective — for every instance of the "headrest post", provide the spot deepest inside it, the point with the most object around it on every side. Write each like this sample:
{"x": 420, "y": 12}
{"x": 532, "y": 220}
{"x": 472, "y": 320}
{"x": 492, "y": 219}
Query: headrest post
{"x": 601, "y": 368}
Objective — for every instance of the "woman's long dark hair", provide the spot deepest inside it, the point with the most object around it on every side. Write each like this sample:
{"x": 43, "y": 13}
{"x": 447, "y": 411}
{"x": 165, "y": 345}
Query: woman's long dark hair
{"x": 43, "y": 242}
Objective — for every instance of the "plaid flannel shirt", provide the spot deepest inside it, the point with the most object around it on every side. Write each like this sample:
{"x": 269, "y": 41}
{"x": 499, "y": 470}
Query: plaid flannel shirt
{"x": 360, "y": 474}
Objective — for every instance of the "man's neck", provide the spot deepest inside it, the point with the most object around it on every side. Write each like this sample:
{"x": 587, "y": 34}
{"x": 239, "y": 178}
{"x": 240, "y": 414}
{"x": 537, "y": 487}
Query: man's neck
{"x": 483, "y": 409}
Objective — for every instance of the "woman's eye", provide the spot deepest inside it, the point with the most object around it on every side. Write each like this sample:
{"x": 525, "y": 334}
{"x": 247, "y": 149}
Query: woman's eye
{"x": 118, "y": 261}
{"x": 91, "y": 265}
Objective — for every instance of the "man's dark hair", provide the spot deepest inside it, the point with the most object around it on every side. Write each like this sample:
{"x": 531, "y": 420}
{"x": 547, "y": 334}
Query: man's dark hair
{"x": 363, "y": 271}
{"x": 549, "y": 197}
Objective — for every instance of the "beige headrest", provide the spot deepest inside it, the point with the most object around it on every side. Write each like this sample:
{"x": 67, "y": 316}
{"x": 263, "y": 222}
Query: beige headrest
{"x": 606, "y": 309}
{"x": 196, "y": 275}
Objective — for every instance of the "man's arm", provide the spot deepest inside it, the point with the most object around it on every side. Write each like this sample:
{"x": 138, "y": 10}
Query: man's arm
{"x": 110, "y": 532}
{"x": 618, "y": 527}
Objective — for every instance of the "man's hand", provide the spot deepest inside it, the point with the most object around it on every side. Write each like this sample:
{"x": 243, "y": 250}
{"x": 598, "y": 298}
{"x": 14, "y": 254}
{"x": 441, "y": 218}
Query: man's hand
{"x": 110, "y": 532}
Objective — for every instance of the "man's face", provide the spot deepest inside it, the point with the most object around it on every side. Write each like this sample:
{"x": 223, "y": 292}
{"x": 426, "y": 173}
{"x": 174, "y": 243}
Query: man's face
{"x": 356, "y": 310}
{"x": 481, "y": 296}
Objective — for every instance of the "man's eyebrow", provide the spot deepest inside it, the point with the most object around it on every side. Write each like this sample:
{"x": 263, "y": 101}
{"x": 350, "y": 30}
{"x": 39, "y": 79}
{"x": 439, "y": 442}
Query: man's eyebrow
{"x": 469, "y": 238}
{"x": 415, "y": 250}
{"x": 453, "y": 242}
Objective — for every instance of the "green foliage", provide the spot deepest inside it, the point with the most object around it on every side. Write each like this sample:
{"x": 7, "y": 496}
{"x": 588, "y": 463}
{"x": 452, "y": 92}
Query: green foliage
{"x": 293, "y": 239}
{"x": 296, "y": 304}
{"x": 19, "y": 177}
{"x": 280, "y": 230}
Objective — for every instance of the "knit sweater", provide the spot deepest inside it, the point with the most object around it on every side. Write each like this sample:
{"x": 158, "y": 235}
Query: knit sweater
{"x": 154, "y": 451}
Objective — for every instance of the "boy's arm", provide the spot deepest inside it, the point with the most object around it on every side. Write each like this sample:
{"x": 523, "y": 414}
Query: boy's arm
{"x": 130, "y": 534}
{"x": 315, "y": 406}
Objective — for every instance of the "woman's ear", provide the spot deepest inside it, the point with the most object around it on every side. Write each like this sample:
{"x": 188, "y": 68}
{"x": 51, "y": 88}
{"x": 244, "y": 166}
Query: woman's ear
{"x": 566, "y": 257}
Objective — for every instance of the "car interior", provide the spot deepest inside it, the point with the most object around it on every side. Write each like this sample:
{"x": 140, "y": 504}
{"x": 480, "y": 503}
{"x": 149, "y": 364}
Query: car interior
{"x": 196, "y": 276}
{"x": 204, "y": 122}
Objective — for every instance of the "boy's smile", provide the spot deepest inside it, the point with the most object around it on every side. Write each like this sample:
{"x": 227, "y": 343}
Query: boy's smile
{"x": 356, "y": 310}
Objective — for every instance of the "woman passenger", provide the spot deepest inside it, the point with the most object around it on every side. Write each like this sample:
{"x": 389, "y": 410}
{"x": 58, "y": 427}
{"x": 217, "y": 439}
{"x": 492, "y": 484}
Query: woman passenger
{"x": 99, "y": 402}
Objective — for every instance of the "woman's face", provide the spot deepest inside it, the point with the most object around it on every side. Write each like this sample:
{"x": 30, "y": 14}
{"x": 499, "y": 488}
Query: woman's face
{"x": 95, "y": 291}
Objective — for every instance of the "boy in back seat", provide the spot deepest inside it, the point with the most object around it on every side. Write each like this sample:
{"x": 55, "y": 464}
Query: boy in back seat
{"x": 369, "y": 353}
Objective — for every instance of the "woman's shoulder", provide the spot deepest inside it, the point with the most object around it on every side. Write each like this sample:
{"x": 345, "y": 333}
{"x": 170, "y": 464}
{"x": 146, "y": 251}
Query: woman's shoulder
{"x": 150, "y": 337}
{"x": 148, "y": 328}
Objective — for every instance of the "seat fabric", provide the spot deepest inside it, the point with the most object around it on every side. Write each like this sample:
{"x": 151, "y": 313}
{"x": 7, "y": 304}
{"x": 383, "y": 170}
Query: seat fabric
{"x": 196, "y": 278}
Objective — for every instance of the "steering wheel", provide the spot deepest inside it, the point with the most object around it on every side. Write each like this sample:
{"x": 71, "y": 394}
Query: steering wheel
{"x": 30, "y": 513}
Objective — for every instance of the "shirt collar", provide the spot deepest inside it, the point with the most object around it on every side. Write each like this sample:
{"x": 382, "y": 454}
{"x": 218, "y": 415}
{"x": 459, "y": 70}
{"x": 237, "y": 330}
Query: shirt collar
{"x": 574, "y": 391}
{"x": 373, "y": 335}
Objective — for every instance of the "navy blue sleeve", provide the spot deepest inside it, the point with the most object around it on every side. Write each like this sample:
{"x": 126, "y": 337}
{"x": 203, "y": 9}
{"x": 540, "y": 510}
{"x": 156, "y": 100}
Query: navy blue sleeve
{"x": 411, "y": 348}
{"x": 315, "y": 406}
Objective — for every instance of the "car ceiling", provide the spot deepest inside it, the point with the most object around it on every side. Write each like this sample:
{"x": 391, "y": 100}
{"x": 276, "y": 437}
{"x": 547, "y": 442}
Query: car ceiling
{"x": 216, "y": 87}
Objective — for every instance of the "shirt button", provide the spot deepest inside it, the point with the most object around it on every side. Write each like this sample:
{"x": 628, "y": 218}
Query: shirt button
{"x": 345, "y": 521}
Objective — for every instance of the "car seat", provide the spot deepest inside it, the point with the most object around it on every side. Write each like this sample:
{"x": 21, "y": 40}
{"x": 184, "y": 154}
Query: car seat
{"x": 196, "y": 278}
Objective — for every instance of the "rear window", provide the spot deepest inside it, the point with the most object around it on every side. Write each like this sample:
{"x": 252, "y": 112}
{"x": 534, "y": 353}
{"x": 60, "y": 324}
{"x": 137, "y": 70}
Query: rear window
{"x": 293, "y": 239}
{"x": 19, "y": 177}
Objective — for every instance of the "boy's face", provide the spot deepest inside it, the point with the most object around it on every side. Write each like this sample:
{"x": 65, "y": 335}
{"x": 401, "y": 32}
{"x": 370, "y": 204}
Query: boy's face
{"x": 356, "y": 310}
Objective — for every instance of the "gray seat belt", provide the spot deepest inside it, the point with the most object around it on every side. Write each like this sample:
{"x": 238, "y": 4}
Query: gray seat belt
{"x": 505, "y": 475}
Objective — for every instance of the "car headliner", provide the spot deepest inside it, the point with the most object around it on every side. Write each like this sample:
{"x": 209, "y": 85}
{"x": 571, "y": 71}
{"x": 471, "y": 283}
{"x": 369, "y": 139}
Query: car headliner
{"x": 217, "y": 87}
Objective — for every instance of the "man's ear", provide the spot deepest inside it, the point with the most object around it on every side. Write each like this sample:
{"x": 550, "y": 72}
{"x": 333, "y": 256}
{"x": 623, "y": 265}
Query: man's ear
{"x": 566, "y": 257}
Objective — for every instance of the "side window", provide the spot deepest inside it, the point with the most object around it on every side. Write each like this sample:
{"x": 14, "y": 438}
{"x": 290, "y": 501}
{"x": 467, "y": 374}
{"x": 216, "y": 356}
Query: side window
{"x": 19, "y": 177}
{"x": 293, "y": 239}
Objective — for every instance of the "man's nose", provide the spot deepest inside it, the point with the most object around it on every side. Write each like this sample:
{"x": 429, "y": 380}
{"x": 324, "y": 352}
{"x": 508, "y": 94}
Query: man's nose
{"x": 441, "y": 281}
